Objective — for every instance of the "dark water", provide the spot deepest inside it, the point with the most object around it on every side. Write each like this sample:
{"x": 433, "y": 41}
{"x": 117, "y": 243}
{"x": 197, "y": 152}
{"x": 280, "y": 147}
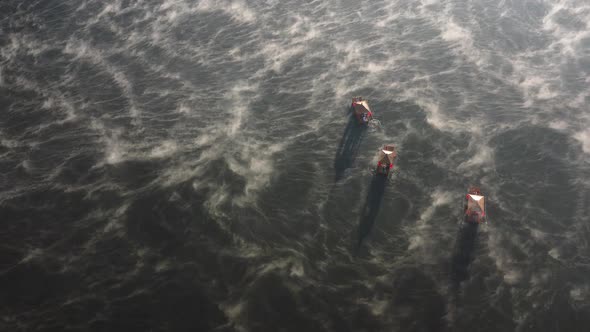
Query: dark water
{"x": 190, "y": 165}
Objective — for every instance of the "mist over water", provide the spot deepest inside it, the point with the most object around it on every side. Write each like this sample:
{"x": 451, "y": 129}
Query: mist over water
{"x": 192, "y": 165}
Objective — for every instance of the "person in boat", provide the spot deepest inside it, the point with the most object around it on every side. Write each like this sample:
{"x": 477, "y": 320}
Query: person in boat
{"x": 362, "y": 111}
{"x": 474, "y": 208}
{"x": 387, "y": 157}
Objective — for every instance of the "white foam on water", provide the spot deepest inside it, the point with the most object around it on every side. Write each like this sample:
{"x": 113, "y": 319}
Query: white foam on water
{"x": 64, "y": 104}
{"x": 291, "y": 265}
{"x": 219, "y": 195}
{"x": 420, "y": 238}
{"x": 538, "y": 234}
{"x": 539, "y": 83}
{"x": 231, "y": 140}
{"x": 583, "y": 137}
{"x": 297, "y": 270}
{"x": 350, "y": 54}
{"x": 234, "y": 311}
{"x": 109, "y": 9}
{"x": 83, "y": 51}
{"x": 455, "y": 33}
{"x": 459, "y": 37}
{"x": 392, "y": 13}
{"x": 378, "y": 307}
{"x": 567, "y": 40}
{"x": 503, "y": 259}
{"x": 127, "y": 87}
{"x": 580, "y": 100}
{"x": 32, "y": 254}
{"x": 435, "y": 116}
{"x": 483, "y": 157}
{"x": 114, "y": 224}
{"x": 26, "y": 164}
{"x": 302, "y": 26}
{"x": 238, "y": 10}
{"x": 9, "y": 143}
{"x": 559, "y": 125}
{"x": 115, "y": 150}
{"x": 542, "y": 83}
{"x": 255, "y": 165}
{"x": 22, "y": 43}
{"x": 277, "y": 53}
{"x": 541, "y": 278}
{"x": 580, "y": 293}
{"x": 512, "y": 276}
{"x": 184, "y": 108}
{"x": 535, "y": 88}
{"x": 429, "y": 2}
{"x": 163, "y": 266}
{"x": 554, "y": 253}
{"x": 343, "y": 88}
{"x": 378, "y": 67}
{"x": 439, "y": 198}
{"x": 238, "y": 106}
{"x": 234, "y": 142}
{"x": 53, "y": 98}
{"x": 166, "y": 149}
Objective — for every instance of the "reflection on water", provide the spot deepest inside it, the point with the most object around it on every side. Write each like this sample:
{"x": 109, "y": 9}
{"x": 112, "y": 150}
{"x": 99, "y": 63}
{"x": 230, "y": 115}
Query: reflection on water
{"x": 371, "y": 206}
{"x": 463, "y": 253}
{"x": 348, "y": 148}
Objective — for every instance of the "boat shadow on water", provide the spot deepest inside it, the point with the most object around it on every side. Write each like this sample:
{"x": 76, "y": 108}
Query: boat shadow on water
{"x": 371, "y": 207}
{"x": 348, "y": 147}
{"x": 463, "y": 254}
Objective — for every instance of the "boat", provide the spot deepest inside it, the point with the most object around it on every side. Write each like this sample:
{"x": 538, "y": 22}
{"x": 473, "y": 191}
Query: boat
{"x": 386, "y": 159}
{"x": 475, "y": 206}
{"x": 362, "y": 111}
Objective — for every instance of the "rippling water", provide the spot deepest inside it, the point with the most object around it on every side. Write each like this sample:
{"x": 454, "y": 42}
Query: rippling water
{"x": 191, "y": 166}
